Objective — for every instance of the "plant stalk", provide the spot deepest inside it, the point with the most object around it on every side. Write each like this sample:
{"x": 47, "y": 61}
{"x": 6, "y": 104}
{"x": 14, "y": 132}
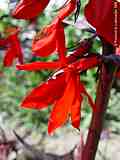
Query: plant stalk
{"x": 102, "y": 98}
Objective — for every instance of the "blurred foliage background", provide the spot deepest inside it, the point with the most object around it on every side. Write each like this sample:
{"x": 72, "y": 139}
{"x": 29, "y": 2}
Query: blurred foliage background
{"x": 14, "y": 85}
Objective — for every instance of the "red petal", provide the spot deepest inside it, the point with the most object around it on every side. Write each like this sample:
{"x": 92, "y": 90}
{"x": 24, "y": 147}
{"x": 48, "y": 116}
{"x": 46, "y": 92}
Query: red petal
{"x": 62, "y": 107}
{"x": 60, "y": 42}
{"x": 9, "y": 57}
{"x": 17, "y": 49}
{"x": 46, "y": 93}
{"x": 45, "y": 45}
{"x": 14, "y": 51}
{"x": 15, "y": 44}
{"x": 75, "y": 112}
{"x": 76, "y": 106}
{"x": 28, "y": 9}
{"x": 39, "y": 65}
{"x": 67, "y": 10}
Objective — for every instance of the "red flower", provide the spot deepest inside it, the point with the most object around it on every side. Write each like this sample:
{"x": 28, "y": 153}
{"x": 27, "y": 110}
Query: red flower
{"x": 14, "y": 49}
{"x": 29, "y": 9}
{"x": 45, "y": 42}
{"x": 100, "y": 14}
{"x": 63, "y": 89}
{"x": 52, "y": 38}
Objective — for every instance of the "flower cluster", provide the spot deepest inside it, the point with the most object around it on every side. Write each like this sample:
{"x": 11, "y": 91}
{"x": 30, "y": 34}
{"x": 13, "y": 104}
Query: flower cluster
{"x": 64, "y": 89}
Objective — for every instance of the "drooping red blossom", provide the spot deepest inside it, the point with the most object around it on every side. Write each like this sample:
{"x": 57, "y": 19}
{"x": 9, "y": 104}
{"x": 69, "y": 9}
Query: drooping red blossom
{"x": 45, "y": 42}
{"x": 63, "y": 89}
{"x": 29, "y": 9}
{"x": 13, "y": 47}
{"x": 100, "y": 14}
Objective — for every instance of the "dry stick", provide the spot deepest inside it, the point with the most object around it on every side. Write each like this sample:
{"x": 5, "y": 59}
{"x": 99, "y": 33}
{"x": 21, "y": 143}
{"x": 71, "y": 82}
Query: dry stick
{"x": 103, "y": 92}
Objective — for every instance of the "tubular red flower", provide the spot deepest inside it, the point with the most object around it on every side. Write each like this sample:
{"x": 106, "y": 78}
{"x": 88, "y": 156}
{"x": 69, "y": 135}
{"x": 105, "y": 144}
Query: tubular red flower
{"x": 14, "y": 49}
{"x": 29, "y": 9}
{"x": 103, "y": 21}
{"x": 81, "y": 65}
{"x": 63, "y": 89}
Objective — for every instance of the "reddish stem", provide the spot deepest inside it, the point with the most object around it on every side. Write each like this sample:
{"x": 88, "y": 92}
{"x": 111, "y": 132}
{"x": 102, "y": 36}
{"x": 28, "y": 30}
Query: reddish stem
{"x": 103, "y": 92}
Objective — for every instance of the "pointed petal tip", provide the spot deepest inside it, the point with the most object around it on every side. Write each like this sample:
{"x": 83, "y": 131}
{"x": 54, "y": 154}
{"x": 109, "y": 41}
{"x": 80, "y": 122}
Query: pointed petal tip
{"x": 49, "y": 132}
{"x": 76, "y": 125}
{"x": 51, "y": 129}
{"x": 24, "y": 104}
{"x": 52, "y": 126}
